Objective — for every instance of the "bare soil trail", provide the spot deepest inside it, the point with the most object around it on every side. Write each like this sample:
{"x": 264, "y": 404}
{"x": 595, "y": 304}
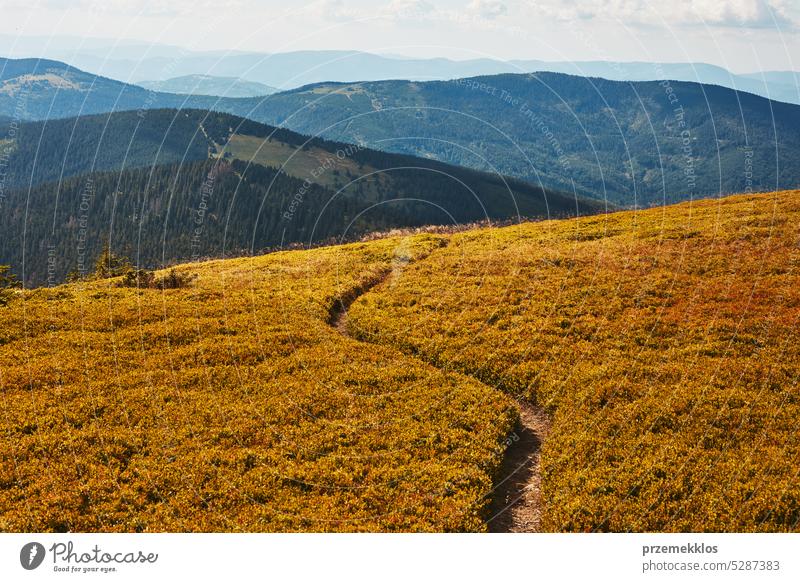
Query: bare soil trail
{"x": 516, "y": 500}
{"x": 515, "y": 506}
{"x": 337, "y": 317}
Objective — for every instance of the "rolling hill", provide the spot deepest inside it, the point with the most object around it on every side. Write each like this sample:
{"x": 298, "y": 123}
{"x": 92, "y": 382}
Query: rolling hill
{"x": 244, "y": 402}
{"x": 291, "y": 70}
{"x": 630, "y": 143}
{"x": 273, "y": 422}
{"x": 209, "y": 85}
{"x": 39, "y": 89}
{"x": 662, "y": 343}
{"x": 164, "y": 186}
{"x": 638, "y": 143}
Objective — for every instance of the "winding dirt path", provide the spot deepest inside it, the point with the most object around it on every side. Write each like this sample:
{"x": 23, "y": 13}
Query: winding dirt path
{"x": 337, "y": 317}
{"x": 516, "y": 499}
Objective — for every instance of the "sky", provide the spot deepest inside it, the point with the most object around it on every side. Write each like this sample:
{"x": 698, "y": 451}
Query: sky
{"x": 741, "y": 35}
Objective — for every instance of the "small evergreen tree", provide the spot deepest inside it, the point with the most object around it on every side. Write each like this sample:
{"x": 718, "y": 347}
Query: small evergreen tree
{"x": 110, "y": 265}
{"x": 175, "y": 280}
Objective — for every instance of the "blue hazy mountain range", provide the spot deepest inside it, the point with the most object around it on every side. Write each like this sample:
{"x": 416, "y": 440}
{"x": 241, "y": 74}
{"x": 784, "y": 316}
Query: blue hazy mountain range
{"x": 209, "y": 85}
{"x": 631, "y": 143}
{"x": 145, "y": 62}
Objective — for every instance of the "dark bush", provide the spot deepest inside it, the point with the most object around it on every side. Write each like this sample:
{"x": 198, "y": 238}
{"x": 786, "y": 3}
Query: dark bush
{"x": 175, "y": 280}
{"x": 144, "y": 279}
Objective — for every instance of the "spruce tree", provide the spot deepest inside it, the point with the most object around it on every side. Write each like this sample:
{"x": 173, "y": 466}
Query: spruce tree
{"x": 110, "y": 265}
{"x": 8, "y": 281}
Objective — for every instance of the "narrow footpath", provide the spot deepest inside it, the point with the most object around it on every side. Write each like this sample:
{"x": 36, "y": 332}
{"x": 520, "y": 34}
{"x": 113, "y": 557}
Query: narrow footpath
{"x": 516, "y": 498}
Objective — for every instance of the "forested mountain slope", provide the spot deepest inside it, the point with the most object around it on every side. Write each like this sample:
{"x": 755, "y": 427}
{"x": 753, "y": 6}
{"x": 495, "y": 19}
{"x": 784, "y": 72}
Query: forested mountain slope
{"x": 173, "y": 185}
{"x": 209, "y": 85}
{"x": 32, "y": 89}
{"x": 631, "y": 143}
{"x": 640, "y": 143}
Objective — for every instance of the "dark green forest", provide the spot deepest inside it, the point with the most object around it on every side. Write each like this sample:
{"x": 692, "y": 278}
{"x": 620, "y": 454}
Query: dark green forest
{"x": 642, "y": 143}
{"x": 165, "y": 214}
{"x": 57, "y": 149}
{"x": 631, "y": 143}
{"x": 139, "y": 178}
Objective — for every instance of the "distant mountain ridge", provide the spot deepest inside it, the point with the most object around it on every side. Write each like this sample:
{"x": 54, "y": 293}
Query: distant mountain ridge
{"x": 640, "y": 143}
{"x": 294, "y": 69}
{"x": 210, "y": 86}
{"x": 33, "y": 89}
{"x": 630, "y": 143}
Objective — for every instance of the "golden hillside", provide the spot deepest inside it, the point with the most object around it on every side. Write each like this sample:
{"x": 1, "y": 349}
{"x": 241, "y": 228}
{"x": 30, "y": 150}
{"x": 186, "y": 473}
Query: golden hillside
{"x": 234, "y": 406}
{"x": 663, "y": 343}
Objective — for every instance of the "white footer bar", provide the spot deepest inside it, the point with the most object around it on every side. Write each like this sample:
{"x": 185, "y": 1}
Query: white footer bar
{"x": 376, "y": 557}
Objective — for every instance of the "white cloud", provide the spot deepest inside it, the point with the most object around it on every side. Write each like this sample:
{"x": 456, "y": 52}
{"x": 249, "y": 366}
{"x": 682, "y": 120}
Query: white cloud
{"x": 332, "y": 10}
{"x": 723, "y": 13}
{"x": 134, "y": 7}
{"x": 409, "y": 8}
{"x": 345, "y": 11}
{"x": 489, "y": 9}
{"x": 752, "y": 13}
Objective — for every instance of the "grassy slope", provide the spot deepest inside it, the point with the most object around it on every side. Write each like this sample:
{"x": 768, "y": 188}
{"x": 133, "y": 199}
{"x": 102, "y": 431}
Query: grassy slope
{"x": 665, "y": 343}
{"x": 233, "y": 406}
{"x": 313, "y": 164}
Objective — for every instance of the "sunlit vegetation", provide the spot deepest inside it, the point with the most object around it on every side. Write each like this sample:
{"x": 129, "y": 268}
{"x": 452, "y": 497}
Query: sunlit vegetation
{"x": 144, "y": 279}
{"x": 664, "y": 343}
{"x": 111, "y": 265}
{"x": 311, "y": 162}
{"x": 108, "y": 264}
{"x": 232, "y": 405}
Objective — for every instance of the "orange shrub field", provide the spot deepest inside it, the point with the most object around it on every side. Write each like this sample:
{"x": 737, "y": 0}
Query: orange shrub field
{"x": 664, "y": 343}
{"x": 233, "y": 406}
